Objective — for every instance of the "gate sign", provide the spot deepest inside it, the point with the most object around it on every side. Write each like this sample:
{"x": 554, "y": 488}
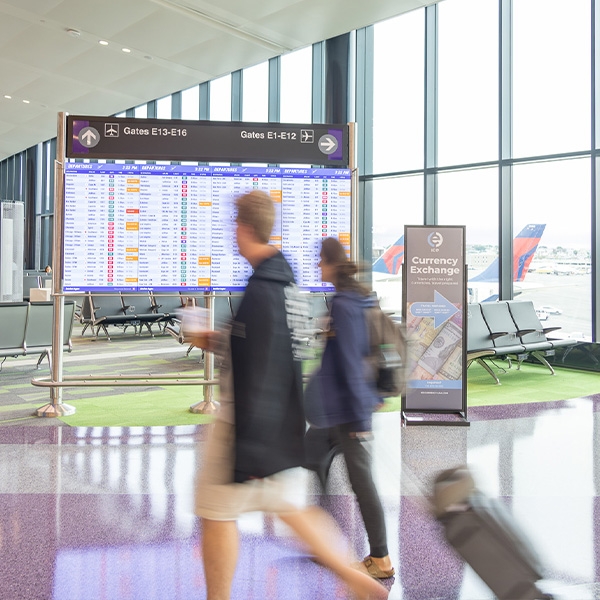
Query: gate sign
{"x": 207, "y": 141}
{"x": 434, "y": 284}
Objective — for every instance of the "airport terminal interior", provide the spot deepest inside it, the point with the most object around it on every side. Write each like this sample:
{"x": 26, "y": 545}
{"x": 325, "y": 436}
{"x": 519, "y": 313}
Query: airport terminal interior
{"x": 479, "y": 114}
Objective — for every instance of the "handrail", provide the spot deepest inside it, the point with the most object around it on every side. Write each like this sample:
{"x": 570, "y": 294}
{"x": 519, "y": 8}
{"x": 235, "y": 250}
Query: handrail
{"x": 121, "y": 380}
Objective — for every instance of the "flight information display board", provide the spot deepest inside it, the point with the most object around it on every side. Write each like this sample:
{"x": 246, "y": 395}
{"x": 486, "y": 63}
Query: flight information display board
{"x": 140, "y": 227}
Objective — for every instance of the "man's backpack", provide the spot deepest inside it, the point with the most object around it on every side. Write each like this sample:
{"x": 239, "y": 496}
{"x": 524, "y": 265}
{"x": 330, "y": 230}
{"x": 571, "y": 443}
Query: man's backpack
{"x": 388, "y": 351}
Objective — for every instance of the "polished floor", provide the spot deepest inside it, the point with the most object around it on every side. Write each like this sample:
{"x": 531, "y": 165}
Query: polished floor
{"x": 106, "y": 513}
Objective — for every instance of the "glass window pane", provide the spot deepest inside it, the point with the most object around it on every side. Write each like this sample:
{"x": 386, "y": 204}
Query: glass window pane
{"x": 551, "y": 86}
{"x": 470, "y": 198}
{"x": 163, "y": 108}
{"x": 468, "y": 81}
{"x": 398, "y": 93}
{"x": 256, "y": 94}
{"x": 560, "y": 272}
{"x": 141, "y": 112}
{"x": 190, "y": 103}
{"x": 396, "y": 202}
{"x": 220, "y": 99}
{"x": 296, "y": 87}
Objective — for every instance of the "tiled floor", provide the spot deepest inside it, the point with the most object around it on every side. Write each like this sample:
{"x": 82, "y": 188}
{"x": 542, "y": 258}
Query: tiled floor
{"x": 106, "y": 513}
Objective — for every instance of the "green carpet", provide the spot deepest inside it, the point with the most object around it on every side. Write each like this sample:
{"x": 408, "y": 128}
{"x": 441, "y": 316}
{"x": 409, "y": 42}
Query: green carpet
{"x": 532, "y": 383}
{"x": 165, "y": 406}
{"x": 170, "y": 406}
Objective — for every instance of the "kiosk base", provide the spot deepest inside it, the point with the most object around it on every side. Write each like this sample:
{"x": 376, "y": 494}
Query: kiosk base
{"x": 459, "y": 420}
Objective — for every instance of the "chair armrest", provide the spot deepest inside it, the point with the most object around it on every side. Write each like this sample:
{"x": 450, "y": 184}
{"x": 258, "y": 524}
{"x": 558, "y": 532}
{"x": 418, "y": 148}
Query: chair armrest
{"x": 498, "y": 334}
{"x": 549, "y": 329}
{"x": 521, "y": 332}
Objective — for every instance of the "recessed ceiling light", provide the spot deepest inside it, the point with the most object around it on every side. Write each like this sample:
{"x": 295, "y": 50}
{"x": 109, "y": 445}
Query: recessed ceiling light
{"x": 7, "y": 96}
{"x": 103, "y": 42}
{"x": 73, "y": 33}
{"x": 126, "y": 50}
{"x": 25, "y": 101}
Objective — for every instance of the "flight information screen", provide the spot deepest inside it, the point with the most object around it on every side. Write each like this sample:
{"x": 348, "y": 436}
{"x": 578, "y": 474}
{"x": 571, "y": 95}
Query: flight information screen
{"x": 140, "y": 227}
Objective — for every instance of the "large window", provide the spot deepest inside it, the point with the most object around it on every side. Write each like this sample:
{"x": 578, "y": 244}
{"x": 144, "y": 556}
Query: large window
{"x": 396, "y": 202}
{"x": 255, "y": 95}
{"x": 551, "y": 86}
{"x": 190, "y": 103}
{"x": 296, "y": 87}
{"x": 470, "y": 198}
{"x": 468, "y": 81}
{"x": 398, "y": 93}
{"x": 164, "y": 107}
{"x": 220, "y": 99}
{"x": 557, "y": 195}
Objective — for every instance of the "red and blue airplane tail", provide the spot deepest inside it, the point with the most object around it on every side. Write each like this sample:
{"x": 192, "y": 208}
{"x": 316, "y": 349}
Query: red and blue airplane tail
{"x": 390, "y": 262}
{"x": 524, "y": 247}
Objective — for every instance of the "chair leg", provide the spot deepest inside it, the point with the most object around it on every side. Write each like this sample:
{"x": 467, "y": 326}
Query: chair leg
{"x": 41, "y": 358}
{"x": 488, "y": 369}
{"x": 541, "y": 358}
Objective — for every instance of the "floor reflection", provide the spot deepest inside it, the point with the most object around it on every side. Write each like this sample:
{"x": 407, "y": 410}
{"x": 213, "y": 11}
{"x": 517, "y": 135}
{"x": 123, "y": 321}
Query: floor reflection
{"x": 107, "y": 512}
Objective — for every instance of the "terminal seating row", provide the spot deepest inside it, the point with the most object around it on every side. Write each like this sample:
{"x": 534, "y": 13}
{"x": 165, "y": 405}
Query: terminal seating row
{"x": 27, "y": 329}
{"x": 124, "y": 310}
{"x": 98, "y": 311}
{"x": 511, "y": 330}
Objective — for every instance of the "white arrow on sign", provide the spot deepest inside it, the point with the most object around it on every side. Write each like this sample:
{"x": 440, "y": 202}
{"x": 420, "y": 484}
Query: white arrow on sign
{"x": 89, "y": 136}
{"x": 328, "y": 143}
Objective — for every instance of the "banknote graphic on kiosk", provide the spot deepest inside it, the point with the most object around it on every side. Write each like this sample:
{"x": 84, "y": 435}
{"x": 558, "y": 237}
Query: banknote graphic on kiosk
{"x": 434, "y": 306}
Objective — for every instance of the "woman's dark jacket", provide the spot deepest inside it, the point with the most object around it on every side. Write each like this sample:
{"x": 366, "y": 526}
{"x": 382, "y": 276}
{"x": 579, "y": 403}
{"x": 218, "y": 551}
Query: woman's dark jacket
{"x": 348, "y": 388}
{"x": 267, "y": 380}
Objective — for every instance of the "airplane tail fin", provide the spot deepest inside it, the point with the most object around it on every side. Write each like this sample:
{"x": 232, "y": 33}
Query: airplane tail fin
{"x": 524, "y": 247}
{"x": 391, "y": 260}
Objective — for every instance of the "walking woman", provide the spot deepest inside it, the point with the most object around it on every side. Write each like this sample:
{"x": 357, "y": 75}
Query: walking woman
{"x": 351, "y": 398}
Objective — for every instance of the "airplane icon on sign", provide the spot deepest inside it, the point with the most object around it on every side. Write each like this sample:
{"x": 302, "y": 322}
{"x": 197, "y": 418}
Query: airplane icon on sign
{"x": 307, "y": 136}
{"x": 111, "y": 130}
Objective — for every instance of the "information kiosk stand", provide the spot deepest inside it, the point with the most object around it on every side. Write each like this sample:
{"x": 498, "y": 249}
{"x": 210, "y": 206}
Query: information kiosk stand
{"x": 434, "y": 310}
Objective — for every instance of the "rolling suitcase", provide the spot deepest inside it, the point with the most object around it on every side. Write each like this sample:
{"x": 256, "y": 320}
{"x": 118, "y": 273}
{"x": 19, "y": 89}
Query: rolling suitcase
{"x": 483, "y": 532}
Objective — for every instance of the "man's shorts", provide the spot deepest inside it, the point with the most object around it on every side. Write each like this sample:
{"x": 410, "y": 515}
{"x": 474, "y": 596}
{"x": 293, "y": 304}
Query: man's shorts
{"x": 218, "y": 499}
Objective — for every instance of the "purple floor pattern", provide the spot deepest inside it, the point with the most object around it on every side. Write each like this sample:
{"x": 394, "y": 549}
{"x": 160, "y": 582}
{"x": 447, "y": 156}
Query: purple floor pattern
{"x": 106, "y": 513}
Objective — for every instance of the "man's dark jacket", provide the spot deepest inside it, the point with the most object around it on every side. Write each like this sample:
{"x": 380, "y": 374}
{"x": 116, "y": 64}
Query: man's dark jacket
{"x": 267, "y": 380}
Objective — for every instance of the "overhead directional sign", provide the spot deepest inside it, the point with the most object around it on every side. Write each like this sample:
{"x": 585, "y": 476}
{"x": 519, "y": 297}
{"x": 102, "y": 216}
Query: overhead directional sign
{"x": 207, "y": 141}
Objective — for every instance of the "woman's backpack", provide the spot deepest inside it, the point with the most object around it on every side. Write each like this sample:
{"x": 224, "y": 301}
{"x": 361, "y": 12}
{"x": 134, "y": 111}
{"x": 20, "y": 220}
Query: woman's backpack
{"x": 387, "y": 351}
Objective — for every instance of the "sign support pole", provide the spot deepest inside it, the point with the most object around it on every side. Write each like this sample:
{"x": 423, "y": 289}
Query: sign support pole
{"x": 56, "y": 407}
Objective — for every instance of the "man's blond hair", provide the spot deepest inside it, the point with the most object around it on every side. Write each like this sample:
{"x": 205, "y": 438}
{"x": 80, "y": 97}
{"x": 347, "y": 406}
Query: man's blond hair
{"x": 256, "y": 209}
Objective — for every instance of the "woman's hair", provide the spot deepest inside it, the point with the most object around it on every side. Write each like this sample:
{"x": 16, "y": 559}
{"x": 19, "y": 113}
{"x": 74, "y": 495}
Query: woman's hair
{"x": 334, "y": 254}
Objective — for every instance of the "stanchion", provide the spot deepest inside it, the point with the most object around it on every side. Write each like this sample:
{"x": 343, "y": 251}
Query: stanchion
{"x": 208, "y": 406}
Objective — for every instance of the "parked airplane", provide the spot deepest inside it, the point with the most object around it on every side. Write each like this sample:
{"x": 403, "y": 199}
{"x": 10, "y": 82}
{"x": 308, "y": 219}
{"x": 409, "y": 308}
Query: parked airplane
{"x": 482, "y": 288}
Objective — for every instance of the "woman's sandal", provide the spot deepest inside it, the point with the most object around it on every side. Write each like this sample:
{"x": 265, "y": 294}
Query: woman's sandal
{"x": 374, "y": 571}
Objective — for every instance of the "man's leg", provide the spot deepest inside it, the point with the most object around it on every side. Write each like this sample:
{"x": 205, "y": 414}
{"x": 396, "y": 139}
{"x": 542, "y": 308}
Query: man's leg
{"x": 220, "y": 544}
{"x": 308, "y": 526}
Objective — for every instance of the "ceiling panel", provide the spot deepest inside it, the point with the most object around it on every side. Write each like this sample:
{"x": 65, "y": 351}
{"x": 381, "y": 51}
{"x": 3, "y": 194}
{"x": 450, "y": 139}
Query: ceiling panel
{"x": 217, "y": 56}
{"x": 105, "y": 19}
{"x": 42, "y": 48}
{"x": 53, "y": 91}
{"x": 100, "y": 66}
{"x": 164, "y": 34}
{"x": 10, "y": 28}
{"x": 14, "y": 76}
